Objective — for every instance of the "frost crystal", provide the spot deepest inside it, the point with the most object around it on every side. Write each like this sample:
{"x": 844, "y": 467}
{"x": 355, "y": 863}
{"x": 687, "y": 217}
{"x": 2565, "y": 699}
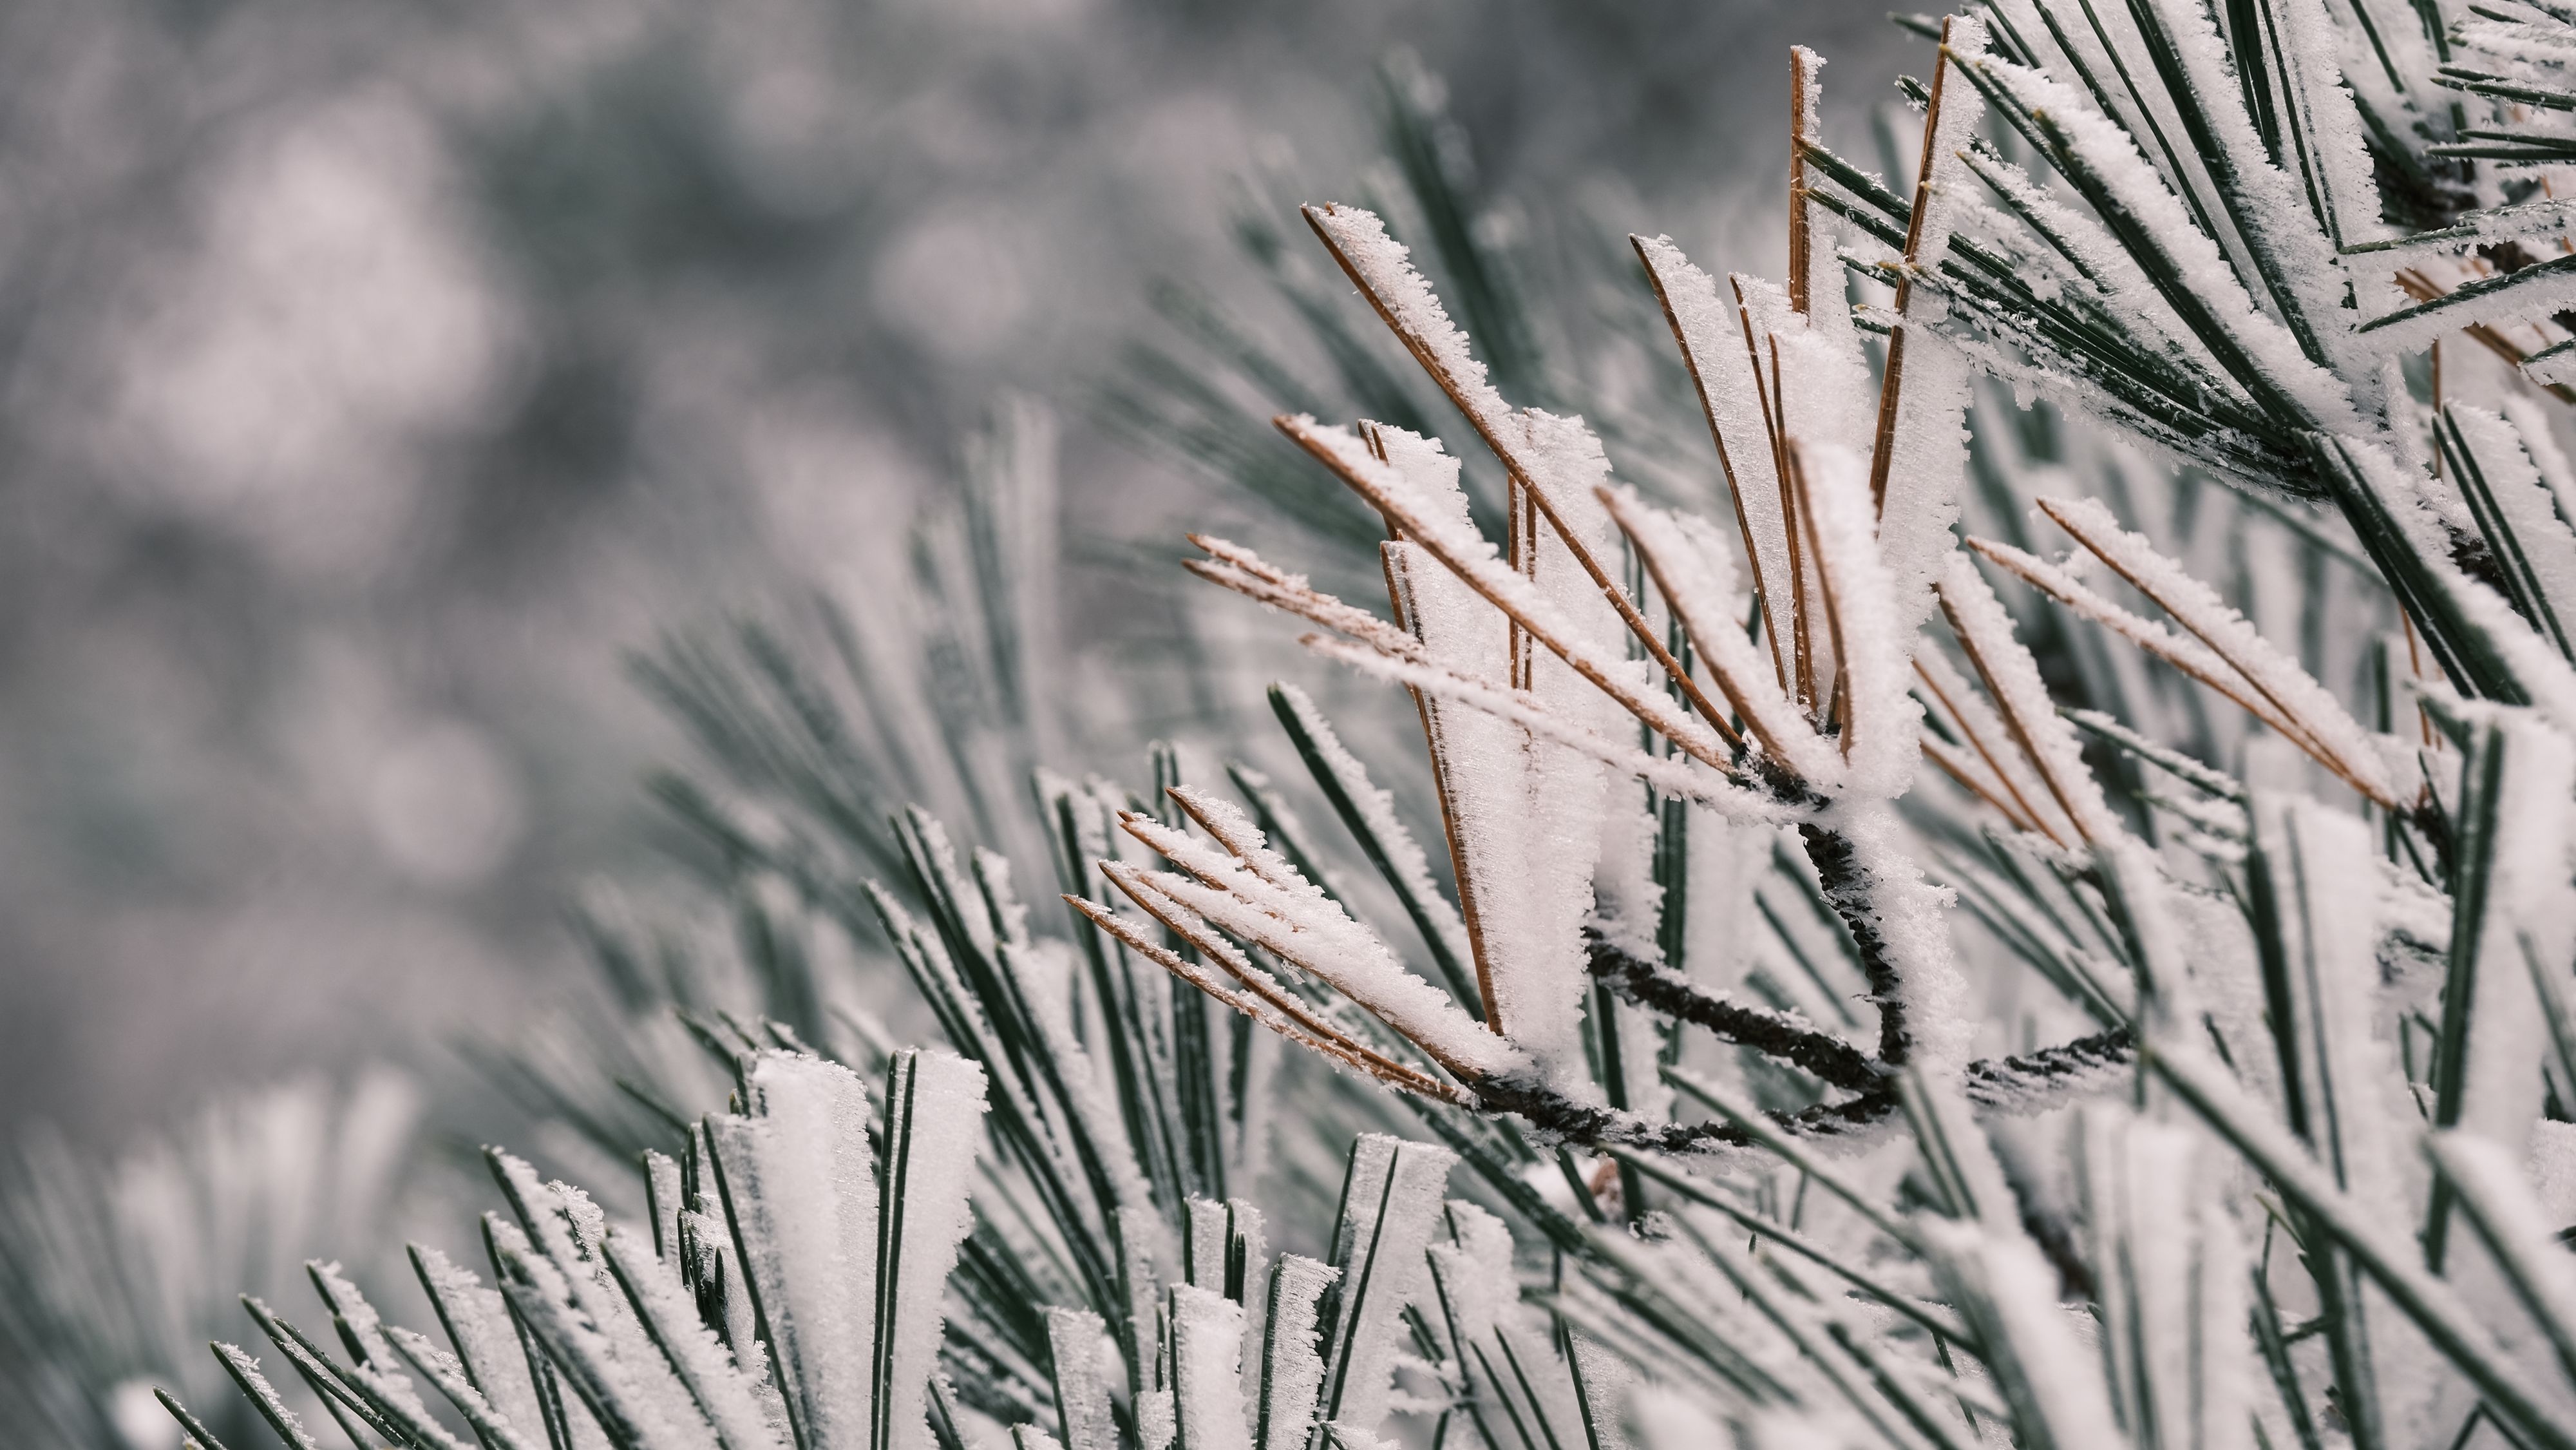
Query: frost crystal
{"x": 2052, "y": 921}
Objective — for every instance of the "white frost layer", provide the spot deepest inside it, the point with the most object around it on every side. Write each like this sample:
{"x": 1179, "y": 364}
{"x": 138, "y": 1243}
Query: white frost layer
{"x": 1981, "y": 624}
{"x": 558, "y": 1277}
{"x": 260, "y": 1391}
{"x": 478, "y": 1324}
{"x": 1927, "y": 462}
{"x": 1996, "y": 748}
{"x": 934, "y": 1117}
{"x": 1671, "y": 775}
{"x": 2274, "y": 209}
{"x": 704, "y": 1365}
{"x": 1083, "y": 1362}
{"x": 2542, "y": 547}
{"x": 2173, "y": 1281}
{"x": 2198, "y": 609}
{"x": 2530, "y": 915}
{"x": 1712, "y": 343}
{"x": 2542, "y": 441}
{"x": 447, "y": 1373}
{"x": 2351, "y": 1093}
{"x": 2185, "y": 653}
{"x": 1382, "y": 267}
{"x": 1524, "y": 806}
{"x": 1292, "y": 1372}
{"x": 2134, "y": 184}
{"x": 2499, "y": 300}
{"x": 1569, "y": 633}
{"x": 1207, "y": 1383}
{"x": 1688, "y": 561}
{"x": 1290, "y": 917}
{"x": 1873, "y": 643}
{"x": 1325, "y": 1028}
{"x": 1156, "y": 1425}
{"x": 2014, "y": 1293}
{"x": 1472, "y": 1264}
{"x": 1608, "y": 1382}
{"x": 800, "y": 1187}
{"x": 2110, "y": 276}
{"x": 2509, "y": 1213}
{"x": 1524, "y": 864}
{"x": 1808, "y": 397}
{"x": 2552, "y": 1169}
{"x": 1825, "y": 392}
{"x": 1557, "y": 458}
{"x": 1628, "y": 903}
{"x": 1473, "y": 751}
{"x": 1943, "y": 173}
{"x": 1377, "y": 809}
{"x": 2534, "y": 663}
{"x": 1390, "y": 1206}
{"x": 1921, "y": 456}
{"x": 1911, "y": 916}
{"x": 594, "y": 1339}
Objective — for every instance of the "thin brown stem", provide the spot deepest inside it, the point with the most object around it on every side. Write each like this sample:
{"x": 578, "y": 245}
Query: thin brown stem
{"x": 2021, "y": 809}
{"x": 1882, "y": 453}
{"x": 1519, "y": 548}
{"x": 2425, "y": 289}
{"x": 1791, "y": 629}
{"x": 1375, "y": 437}
{"x": 1802, "y": 130}
{"x": 1764, "y": 588}
{"x": 1470, "y": 886}
{"x": 1736, "y": 692}
{"x": 1528, "y": 502}
{"x": 1639, "y": 626}
{"x": 1651, "y": 714}
{"x": 2306, "y": 735}
{"x": 2020, "y": 728}
{"x": 1247, "y": 574}
{"x": 1955, "y": 765}
{"x": 1471, "y": 883}
{"x": 1777, "y": 408}
{"x": 2209, "y": 667}
{"x": 2415, "y": 666}
{"x": 1286, "y": 1016}
{"x": 1825, "y": 591}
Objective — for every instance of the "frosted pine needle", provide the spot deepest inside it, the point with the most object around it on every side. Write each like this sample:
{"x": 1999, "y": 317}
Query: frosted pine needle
{"x": 2127, "y": 1096}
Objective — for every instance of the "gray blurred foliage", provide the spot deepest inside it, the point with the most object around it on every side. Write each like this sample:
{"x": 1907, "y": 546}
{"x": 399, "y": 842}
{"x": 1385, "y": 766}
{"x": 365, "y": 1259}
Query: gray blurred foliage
{"x": 376, "y": 375}
{"x": 116, "y": 1274}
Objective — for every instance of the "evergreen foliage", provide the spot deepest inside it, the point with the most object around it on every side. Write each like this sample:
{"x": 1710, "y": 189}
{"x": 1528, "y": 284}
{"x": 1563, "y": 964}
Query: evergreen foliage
{"x": 1707, "y": 999}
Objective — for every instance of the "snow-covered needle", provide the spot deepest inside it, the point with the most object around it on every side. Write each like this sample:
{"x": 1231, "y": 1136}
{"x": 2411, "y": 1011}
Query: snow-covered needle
{"x": 2312, "y": 713}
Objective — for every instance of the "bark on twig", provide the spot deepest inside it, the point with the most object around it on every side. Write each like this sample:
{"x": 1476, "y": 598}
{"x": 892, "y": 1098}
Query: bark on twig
{"x": 1780, "y": 1035}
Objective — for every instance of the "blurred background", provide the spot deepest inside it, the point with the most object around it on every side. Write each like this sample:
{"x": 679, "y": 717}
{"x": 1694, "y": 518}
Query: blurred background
{"x": 378, "y": 377}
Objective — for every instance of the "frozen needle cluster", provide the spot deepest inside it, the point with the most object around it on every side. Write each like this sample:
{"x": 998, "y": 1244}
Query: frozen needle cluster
{"x": 1841, "y": 1030}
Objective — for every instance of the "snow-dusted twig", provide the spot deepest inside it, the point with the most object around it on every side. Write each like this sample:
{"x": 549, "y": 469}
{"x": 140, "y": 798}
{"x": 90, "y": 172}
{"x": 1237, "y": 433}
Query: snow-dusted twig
{"x": 1771, "y": 1031}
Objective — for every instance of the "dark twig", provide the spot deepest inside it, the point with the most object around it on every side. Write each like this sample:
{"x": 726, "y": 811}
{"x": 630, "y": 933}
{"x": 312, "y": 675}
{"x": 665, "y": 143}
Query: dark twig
{"x": 2032, "y": 1082}
{"x": 1584, "y": 1126}
{"x": 1782, "y": 1035}
{"x": 1847, "y": 889}
{"x": 2037, "y": 1081}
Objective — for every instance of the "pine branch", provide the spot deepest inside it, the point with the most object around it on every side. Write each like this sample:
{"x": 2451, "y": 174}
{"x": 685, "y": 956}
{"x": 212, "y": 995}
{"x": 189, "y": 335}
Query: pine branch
{"x": 1850, "y": 891}
{"x": 1785, "y": 1036}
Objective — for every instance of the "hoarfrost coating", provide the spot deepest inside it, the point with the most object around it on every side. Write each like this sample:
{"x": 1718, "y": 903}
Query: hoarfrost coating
{"x": 1872, "y": 997}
